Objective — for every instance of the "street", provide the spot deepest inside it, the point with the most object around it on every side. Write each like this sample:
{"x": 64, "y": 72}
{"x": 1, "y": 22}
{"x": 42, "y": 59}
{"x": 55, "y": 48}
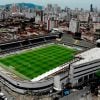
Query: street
{"x": 81, "y": 95}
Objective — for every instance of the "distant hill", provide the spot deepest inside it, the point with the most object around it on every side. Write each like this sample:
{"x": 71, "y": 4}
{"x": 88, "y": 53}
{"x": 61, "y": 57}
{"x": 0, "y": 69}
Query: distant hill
{"x": 25, "y": 5}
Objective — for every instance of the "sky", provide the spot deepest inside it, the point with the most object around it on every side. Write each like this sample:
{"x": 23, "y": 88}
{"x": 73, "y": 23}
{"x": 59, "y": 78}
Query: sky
{"x": 69, "y": 3}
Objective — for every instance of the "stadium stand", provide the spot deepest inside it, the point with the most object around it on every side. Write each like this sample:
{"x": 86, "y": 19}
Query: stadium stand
{"x": 25, "y": 43}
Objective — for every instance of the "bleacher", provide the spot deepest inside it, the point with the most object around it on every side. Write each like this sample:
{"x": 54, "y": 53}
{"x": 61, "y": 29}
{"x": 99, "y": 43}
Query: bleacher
{"x": 26, "y": 43}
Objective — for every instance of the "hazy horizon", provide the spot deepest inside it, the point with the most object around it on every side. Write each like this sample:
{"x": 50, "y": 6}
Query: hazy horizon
{"x": 69, "y": 3}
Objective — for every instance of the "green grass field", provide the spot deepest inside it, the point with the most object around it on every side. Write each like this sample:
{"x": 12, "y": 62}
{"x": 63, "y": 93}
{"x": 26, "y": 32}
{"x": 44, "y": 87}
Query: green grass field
{"x": 33, "y": 63}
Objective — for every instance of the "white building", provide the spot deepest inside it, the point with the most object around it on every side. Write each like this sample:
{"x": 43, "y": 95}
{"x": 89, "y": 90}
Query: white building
{"x": 37, "y": 19}
{"x": 74, "y": 25}
{"x": 0, "y": 15}
{"x": 83, "y": 17}
{"x": 84, "y": 69}
{"x": 28, "y": 15}
{"x": 96, "y": 26}
{"x": 96, "y": 19}
{"x": 51, "y": 23}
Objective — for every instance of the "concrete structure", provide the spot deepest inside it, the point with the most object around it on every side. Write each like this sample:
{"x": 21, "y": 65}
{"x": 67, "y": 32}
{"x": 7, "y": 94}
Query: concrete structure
{"x": 91, "y": 8}
{"x": 83, "y": 17}
{"x": 57, "y": 83}
{"x": 85, "y": 68}
{"x": 37, "y": 19}
{"x": 74, "y": 25}
{"x": 96, "y": 27}
{"x": 14, "y": 8}
{"x": 4, "y": 14}
{"x": 96, "y": 19}
{"x": 52, "y": 23}
{"x": 80, "y": 70}
{"x": 29, "y": 14}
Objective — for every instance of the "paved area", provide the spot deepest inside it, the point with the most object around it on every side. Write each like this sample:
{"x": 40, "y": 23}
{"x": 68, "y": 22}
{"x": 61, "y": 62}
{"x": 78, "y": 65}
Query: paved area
{"x": 68, "y": 39}
{"x": 81, "y": 95}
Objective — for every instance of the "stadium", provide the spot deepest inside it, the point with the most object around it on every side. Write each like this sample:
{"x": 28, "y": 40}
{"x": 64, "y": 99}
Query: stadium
{"x": 41, "y": 64}
{"x": 31, "y": 64}
{"x": 38, "y": 60}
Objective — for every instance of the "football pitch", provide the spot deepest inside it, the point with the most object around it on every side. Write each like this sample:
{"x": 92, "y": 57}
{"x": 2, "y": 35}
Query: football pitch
{"x": 34, "y": 62}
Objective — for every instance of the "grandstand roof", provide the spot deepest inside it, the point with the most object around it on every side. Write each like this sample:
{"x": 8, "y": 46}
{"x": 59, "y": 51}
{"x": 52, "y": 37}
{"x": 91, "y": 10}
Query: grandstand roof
{"x": 90, "y": 55}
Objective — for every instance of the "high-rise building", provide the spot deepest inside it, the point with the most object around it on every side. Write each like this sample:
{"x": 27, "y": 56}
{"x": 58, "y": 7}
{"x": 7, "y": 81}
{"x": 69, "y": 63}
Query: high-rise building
{"x": 41, "y": 15}
{"x": 49, "y": 7}
{"x": 52, "y": 23}
{"x": 74, "y": 25}
{"x": 7, "y": 8}
{"x": 4, "y": 14}
{"x": 91, "y": 8}
{"x": 14, "y": 8}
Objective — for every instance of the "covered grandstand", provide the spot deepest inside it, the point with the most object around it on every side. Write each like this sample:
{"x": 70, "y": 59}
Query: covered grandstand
{"x": 18, "y": 44}
{"x": 79, "y": 70}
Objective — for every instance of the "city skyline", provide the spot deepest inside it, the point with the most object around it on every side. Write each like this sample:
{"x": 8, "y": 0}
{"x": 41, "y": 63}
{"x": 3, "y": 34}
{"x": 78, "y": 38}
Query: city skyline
{"x": 63, "y": 3}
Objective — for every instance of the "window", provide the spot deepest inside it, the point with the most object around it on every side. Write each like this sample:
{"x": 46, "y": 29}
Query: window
{"x": 85, "y": 78}
{"x": 90, "y": 76}
{"x": 80, "y": 80}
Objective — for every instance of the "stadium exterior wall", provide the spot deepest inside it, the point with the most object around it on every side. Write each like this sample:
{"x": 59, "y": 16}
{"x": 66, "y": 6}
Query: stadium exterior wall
{"x": 84, "y": 70}
{"x": 76, "y": 72}
{"x": 23, "y": 87}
